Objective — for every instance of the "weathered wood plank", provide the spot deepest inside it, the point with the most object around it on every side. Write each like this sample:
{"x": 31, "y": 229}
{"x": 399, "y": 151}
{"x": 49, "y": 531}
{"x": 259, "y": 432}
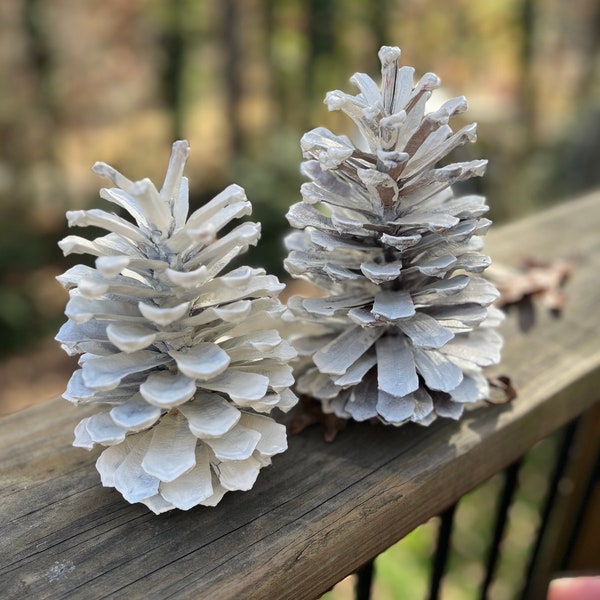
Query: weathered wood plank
{"x": 322, "y": 509}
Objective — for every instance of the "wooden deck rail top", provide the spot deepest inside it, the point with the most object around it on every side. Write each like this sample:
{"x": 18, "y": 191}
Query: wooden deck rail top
{"x": 321, "y": 510}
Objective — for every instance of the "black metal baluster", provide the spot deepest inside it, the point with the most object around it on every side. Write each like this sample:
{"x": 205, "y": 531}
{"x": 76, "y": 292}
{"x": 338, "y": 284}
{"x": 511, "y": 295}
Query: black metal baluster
{"x": 511, "y": 474}
{"x": 364, "y": 581}
{"x": 441, "y": 552}
{"x": 583, "y": 505}
{"x": 560, "y": 464}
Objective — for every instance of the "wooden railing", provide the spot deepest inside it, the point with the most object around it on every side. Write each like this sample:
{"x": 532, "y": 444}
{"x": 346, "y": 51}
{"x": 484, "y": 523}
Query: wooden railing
{"x": 321, "y": 510}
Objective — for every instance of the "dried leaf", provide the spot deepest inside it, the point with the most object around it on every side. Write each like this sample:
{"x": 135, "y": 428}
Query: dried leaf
{"x": 310, "y": 413}
{"x": 534, "y": 281}
{"x": 505, "y": 384}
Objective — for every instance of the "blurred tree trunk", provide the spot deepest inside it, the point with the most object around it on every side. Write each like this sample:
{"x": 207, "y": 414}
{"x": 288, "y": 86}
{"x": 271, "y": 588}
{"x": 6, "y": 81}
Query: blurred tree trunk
{"x": 39, "y": 51}
{"x": 321, "y": 44}
{"x": 35, "y": 154}
{"x": 575, "y": 158}
{"x": 276, "y": 88}
{"x": 231, "y": 29}
{"x": 174, "y": 41}
{"x": 591, "y": 69}
{"x": 379, "y": 19}
{"x": 40, "y": 59}
{"x": 527, "y": 72}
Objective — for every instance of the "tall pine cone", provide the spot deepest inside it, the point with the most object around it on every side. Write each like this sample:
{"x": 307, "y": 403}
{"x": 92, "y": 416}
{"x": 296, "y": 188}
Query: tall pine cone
{"x": 182, "y": 360}
{"x": 403, "y": 328}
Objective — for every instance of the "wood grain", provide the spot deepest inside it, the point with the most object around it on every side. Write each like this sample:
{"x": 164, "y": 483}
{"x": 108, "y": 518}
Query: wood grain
{"x": 322, "y": 509}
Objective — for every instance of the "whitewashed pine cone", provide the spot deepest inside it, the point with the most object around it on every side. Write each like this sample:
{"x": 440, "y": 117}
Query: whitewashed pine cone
{"x": 182, "y": 358}
{"x": 404, "y": 326}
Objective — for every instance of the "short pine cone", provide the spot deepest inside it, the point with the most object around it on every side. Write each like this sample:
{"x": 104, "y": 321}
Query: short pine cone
{"x": 179, "y": 357}
{"x": 403, "y": 328}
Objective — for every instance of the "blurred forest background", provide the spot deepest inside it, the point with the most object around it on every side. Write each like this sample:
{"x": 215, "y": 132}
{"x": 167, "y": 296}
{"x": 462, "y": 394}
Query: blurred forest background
{"x": 119, "y": 80}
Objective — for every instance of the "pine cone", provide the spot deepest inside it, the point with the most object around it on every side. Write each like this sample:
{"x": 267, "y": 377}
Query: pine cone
{"x": 403, "y": 328}
{"x": 179, "y": 358}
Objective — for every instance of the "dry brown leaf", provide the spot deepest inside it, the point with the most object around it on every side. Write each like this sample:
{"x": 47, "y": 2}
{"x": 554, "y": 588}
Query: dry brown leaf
{"x": 534, "y": 282}
{"x": 505, "y": 384}
{"x": 309, "y": 413}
